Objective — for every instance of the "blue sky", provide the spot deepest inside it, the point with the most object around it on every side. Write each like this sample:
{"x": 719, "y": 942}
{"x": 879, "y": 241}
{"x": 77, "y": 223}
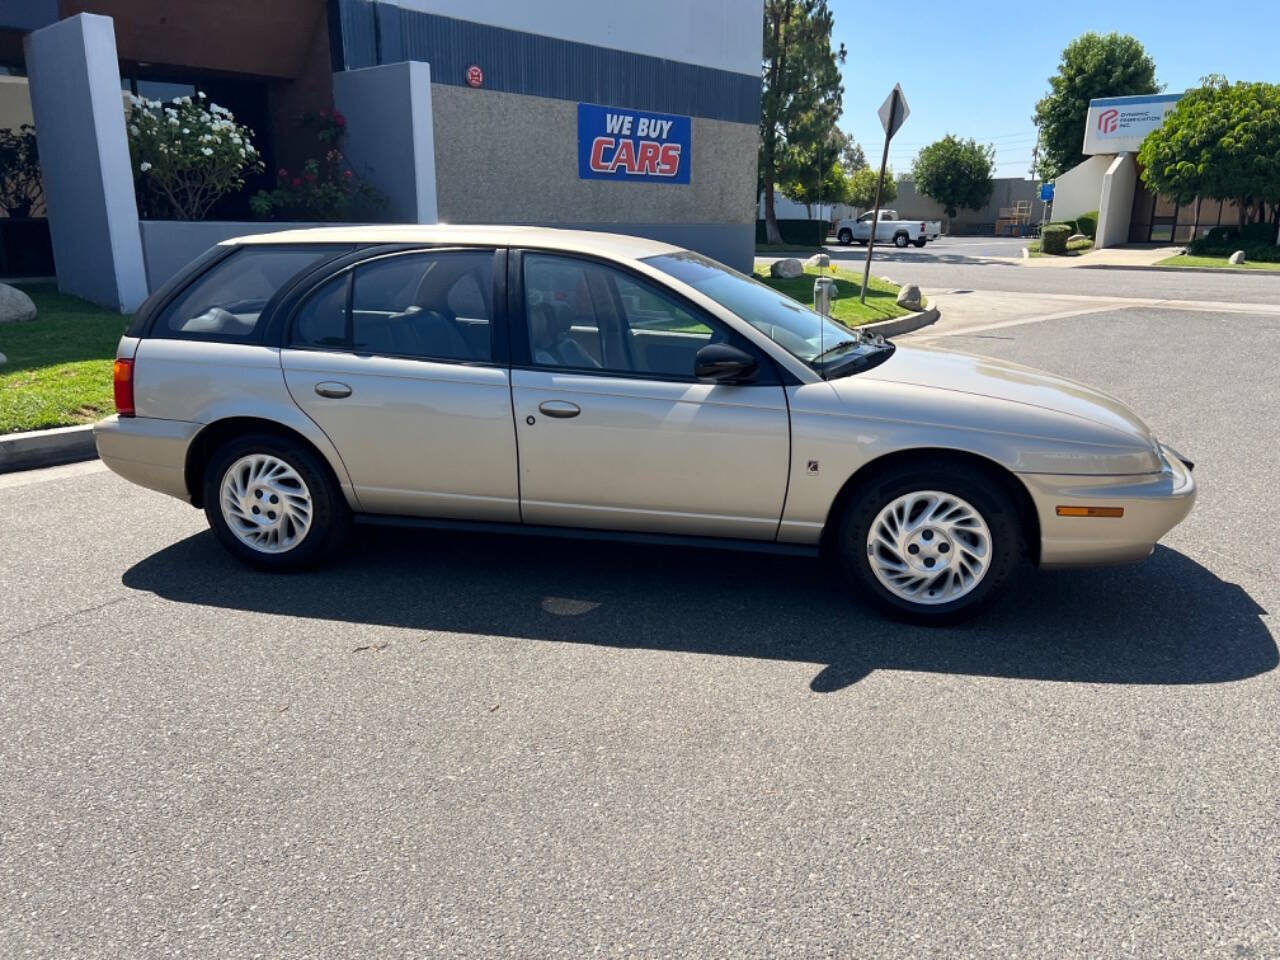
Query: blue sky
{"x": 976, "y": 69}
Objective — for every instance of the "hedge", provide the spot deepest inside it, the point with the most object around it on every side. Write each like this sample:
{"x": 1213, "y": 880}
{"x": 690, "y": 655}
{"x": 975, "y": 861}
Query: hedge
{"x": 1053, "y": 238}
{"x": 1257, "y": 240}
{"x": 808, "y": 233}
{"x": 1087, "y": 223}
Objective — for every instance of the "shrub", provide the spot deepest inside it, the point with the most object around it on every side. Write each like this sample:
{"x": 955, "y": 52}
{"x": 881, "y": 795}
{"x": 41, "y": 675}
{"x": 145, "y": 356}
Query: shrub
{"x": 802, "y": 233}
{"x": 325, "y": 188}
{"x": 1087, "y": 223}
{"x": 1257, "y": 240}
{"x": 21, "y": 186}
{"x": 186, "y": 155}
{"x": 1053, "y": 238}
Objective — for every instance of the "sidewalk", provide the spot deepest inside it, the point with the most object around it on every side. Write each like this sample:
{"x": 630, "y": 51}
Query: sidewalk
{"x": 1123, "y": 256}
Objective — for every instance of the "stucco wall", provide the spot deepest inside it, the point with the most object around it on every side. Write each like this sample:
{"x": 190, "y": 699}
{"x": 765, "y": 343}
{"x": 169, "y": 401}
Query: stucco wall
{"x": 1079, "y": 189}
{"x": 1005, "y": 191}
{"x": 1116, "y": 206}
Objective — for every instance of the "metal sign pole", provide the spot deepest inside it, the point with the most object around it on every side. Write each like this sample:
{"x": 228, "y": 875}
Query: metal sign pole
{"x": 875, "y": 219}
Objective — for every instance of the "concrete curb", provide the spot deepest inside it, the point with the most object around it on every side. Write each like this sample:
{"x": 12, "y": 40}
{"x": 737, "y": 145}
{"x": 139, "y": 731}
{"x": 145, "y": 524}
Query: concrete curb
{"x": 46, "y": 448}
{"x": 912, "y": 321}
{"x": 1159, "y": 269}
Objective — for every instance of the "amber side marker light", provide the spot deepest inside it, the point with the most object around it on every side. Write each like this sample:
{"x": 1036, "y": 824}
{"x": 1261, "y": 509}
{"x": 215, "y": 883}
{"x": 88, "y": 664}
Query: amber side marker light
{"x": 1090, "y": 511}
{"x": 122, "y": 381}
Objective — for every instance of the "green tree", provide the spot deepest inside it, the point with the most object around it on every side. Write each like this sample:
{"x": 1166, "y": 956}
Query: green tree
{"x": 955, "y": 172}
{"x": 1221, "y": 141}
{"x": 803, "y": 185}
{"x": 801, "y": 96}
{"x": 862, "y": 188}
{"x": 851, "y": 156}
{"x": 1093, "y": 65}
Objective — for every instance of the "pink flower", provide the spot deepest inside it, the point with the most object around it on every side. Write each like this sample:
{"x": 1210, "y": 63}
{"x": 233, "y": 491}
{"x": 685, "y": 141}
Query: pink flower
{"x": 347, "y": 174}
{"x": 297, "y": 181}
{"x": 283, "y": 173}
{"x": 339, "y": 119}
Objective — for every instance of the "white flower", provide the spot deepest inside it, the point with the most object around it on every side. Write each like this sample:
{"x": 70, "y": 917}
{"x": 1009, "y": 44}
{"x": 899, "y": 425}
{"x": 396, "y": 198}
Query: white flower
{"x": 200, "y": 94}
{"x": 133, "y": 129}
{"x": 173, "y": 121}
{"x": 144, "y": 166}
{"x": 186, "y": 129}
{"x": 207, "y": 151}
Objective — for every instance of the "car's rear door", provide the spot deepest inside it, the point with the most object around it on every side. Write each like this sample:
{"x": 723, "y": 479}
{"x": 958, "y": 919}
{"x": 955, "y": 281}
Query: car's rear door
{"x": 614, "y": 430}
{"x": 400, "y": 359}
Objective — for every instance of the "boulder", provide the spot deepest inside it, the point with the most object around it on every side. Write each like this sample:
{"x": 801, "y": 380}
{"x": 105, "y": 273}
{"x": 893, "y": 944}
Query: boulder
{"x": 15, "y": 305}
{"x": 909, "y": 297}
{"x": 786, "y": 268}
{"x": 1237, "y": 257}
{"x": 819, "y": 260}
{"x": 1076, "y": 236}
{"x": 3, "y": 359}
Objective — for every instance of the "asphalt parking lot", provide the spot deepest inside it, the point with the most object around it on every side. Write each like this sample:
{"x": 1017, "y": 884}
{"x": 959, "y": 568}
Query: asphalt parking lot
{"x": 449, "y": 746}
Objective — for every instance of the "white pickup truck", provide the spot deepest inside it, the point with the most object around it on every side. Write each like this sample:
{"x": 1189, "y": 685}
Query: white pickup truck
{"x": 889, "y": 230}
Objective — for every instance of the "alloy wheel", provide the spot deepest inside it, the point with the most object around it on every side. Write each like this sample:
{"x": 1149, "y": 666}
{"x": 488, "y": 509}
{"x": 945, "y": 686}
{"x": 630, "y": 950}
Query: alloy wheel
{"x": 929, "y": 547}
{"x": 266, "y": 503}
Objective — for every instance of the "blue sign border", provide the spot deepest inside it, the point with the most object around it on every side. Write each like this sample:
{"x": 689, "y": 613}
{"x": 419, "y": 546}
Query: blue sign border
{"x": 621, "y": 125}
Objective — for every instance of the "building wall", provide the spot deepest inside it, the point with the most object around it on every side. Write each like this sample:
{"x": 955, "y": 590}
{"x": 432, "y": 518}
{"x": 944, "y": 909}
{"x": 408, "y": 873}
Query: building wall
{"x": 1006, "y": 191}
{"x": 1079, "y": 190}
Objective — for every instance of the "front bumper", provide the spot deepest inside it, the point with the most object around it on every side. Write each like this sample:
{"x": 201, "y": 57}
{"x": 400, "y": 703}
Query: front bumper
{"x": 147, "y": 451}
{"x": 1153, "y": 505}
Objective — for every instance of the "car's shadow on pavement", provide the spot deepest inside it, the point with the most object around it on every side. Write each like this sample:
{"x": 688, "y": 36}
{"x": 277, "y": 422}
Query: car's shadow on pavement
{"x": 1167, "y": 621}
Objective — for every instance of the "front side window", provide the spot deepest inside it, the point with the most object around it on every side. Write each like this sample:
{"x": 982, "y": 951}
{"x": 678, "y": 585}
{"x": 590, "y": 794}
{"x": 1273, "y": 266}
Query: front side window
{"x": 227, "y": 301}
{"x": 430, "y": 306}
{"x": 586, "y": 316}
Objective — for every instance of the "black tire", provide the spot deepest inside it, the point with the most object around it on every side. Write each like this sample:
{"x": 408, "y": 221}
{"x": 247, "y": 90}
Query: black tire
{"x": 920, "y": 241}
{"x": 967, "y": 483}
{"x": 900, "y": 240}
{"x": 862, "y": 243}
{"x": 845, "y": 237}
{"x": 330, "y": 517}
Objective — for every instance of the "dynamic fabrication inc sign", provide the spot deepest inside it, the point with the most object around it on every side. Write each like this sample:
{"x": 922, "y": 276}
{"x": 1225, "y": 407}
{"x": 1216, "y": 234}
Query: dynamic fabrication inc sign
{"x": 632, "y": 145}
{"x": 1120, "y": 124}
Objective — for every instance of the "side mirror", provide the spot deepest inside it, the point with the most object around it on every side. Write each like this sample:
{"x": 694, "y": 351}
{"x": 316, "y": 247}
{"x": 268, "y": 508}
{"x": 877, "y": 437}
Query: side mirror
{"x": 722, "y": 362}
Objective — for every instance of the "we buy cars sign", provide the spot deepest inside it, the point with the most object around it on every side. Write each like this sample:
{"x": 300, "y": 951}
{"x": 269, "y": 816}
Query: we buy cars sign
{"x": 633, "y": 145}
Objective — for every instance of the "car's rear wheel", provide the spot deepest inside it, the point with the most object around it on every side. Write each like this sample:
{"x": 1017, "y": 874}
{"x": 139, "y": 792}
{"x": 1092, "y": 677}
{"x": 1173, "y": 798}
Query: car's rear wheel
{"x": 845, "y": 237}
{"x": 900, "y": 240}
{"x": 273, "y": 504}
{"x": 930, "y": 546}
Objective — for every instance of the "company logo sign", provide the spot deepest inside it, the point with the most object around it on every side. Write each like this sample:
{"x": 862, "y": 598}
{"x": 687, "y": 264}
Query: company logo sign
{"x": 1120, "y": 124}
{"x": 633, "y": 145}
{"x": 475, "y": 76}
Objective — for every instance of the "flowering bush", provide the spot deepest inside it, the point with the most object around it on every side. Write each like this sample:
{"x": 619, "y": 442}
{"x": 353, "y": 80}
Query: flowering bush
{"x": 325, "y": 188}
{"x": 21, "y": 186}
{"x": 186, "y": 155}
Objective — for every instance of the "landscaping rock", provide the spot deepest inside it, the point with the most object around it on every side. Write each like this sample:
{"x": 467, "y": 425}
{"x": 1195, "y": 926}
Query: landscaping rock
{"x": 909, "y": 297}
{"x": 3, "y": 359}
{"x": 819, "y": 260}
{"x": 1237, "y": 257}
{"x": 786, "y": 268}
{"x": 15, "y": 306}
{"x": 1076, "y": 236}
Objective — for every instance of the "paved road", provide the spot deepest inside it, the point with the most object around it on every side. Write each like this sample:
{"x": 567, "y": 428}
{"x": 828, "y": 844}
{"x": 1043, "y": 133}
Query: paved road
{"x": 458, "y": 747}
{"x": 981, "y": 263}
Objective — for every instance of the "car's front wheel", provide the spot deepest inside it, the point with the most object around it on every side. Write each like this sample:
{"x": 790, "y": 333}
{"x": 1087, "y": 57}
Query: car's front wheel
{"x": 273, "y": 504}
{"x": 930, "y": 546}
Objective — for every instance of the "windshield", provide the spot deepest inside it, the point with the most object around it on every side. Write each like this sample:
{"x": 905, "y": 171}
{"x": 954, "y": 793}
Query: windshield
{"x": 788, "y": 323}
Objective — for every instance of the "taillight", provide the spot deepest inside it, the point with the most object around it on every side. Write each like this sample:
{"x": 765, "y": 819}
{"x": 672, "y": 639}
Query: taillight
{"x": 122, "y": 380}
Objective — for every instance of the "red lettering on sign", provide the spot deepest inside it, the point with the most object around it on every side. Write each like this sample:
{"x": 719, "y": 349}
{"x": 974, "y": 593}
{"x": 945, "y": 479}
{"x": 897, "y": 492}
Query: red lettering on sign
{"x": 648, "y": 157}
{"x": 598, "y": 162}
{"x": 669, "y": 160}
{"x": 625, "y": 157}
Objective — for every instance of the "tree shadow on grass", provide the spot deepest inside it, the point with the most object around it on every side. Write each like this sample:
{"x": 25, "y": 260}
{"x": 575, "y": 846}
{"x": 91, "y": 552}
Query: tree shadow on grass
{"x": 1167, "y": 621}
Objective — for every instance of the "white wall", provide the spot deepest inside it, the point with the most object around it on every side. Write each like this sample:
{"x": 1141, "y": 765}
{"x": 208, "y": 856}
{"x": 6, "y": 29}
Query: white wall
{"x": 1116, "y": 206}
{"x": 724, "y": 34}
{"x": 1079, "y": 190}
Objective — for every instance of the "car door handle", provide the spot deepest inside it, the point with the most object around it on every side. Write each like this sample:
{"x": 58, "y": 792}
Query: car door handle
{"x": 560, "y": 409}
{"x": 333, "y": 389}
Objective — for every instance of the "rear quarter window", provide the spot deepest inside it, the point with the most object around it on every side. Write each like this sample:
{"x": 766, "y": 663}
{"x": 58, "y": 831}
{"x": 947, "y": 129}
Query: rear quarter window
{"x": 226, "y": 303}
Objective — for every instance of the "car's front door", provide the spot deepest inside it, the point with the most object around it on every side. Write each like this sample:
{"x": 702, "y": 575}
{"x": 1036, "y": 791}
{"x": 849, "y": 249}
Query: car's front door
{"x": 613, "y": 429}
{"x": 395, "y": 360}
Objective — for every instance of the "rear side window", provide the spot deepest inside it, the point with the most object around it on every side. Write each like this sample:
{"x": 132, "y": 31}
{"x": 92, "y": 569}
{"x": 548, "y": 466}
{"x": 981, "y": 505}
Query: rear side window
{"x": 226, "y": 302}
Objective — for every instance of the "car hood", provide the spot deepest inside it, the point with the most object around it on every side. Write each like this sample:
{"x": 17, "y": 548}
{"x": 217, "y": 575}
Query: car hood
{"x": 1002, "y": 380}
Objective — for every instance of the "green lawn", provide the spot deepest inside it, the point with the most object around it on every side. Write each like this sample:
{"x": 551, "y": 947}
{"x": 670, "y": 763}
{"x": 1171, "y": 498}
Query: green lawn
{"x": 881, "y": 297}
{"x": 1074, "y": 248}
{"x": 59, "y": 369}
{"x": 1184, "y": 260}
